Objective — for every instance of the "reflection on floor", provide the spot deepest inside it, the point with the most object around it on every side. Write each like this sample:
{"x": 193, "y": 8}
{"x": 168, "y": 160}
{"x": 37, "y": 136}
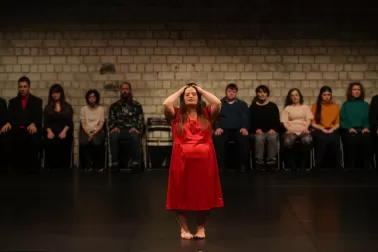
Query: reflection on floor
{"x": 333, "y": 212}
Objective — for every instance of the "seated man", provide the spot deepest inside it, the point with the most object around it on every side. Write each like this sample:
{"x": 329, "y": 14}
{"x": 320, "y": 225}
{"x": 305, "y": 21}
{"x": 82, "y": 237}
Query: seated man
{"x": 232, "y": 125}
{"x": 3, "y": 120}
{"x": 126, "y": 122}
{"x": 24, "y": 124}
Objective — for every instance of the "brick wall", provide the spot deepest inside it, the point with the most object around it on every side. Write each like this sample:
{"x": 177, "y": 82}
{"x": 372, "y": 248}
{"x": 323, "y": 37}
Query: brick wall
{"x": 159, "y": 58}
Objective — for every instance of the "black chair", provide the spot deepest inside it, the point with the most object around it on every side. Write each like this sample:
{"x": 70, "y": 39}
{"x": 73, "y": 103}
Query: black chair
{"x": 159, "y": 142}
{"x": 86, "y": 162}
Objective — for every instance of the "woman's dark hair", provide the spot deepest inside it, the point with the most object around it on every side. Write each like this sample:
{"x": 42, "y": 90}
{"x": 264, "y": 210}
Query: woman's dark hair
{"x": 96, "y": 94}
{"x": 319, "y": 101}
{"x": 260, "y": 88}
{"x": 64, "y": 105}
{"x": 349, "y": 92}
{"x": 289, "y": 101}
{"x": 183, "y": 109}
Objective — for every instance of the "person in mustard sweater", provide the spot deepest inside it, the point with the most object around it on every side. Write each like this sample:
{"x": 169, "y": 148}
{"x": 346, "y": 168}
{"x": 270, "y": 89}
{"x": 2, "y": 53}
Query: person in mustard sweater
{"x": 354, "y": 121}
{"x": 325, "y": 127}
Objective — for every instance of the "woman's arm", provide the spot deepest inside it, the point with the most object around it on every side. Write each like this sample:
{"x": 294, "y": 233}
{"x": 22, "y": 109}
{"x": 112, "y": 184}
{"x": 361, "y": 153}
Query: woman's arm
{"x": 83, "y": 120}
{"x": 168, "y": 107}
{"x": 285, "y": 119}
{"x": 69, "y": 120}
{"x": 215, "y": 103}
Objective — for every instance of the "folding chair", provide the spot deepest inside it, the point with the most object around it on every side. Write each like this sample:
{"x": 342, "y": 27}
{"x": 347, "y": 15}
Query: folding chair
{"x": 159, "y": 139}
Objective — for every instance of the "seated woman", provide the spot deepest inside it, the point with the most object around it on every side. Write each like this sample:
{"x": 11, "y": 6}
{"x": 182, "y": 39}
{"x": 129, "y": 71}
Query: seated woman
{"x": 264, "y": 124}
{"x": 92, "y": 135}
{"x": 354, "y": 122}
{"x": 58, "y": 124}
{"x": 325, "y": 127}
{"x": 296, "y": 118}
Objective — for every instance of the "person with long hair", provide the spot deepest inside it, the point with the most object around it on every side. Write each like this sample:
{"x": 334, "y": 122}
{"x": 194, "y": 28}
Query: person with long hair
{"x": 264, "y": 125}
{"x": 354, "y": 121}
{"x": 325, "y": 126}
{"x": 58, "y": 123}
{"x": 193, "y": 183}
{"x": 296, "y": 119}
{"x": 92, "y": 135}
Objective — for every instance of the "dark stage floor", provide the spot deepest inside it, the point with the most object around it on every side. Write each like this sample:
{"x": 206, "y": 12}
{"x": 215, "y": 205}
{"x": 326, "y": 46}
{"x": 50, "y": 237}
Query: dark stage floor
{"x": 126, "y": 213}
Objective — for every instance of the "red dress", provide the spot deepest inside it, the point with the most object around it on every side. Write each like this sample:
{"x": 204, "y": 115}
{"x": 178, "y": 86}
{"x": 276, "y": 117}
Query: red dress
{"x": 193, "y": 182}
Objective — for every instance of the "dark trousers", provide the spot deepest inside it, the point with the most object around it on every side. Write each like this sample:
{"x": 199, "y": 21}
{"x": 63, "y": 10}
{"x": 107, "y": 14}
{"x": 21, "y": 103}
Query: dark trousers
{"x": 3, "y": 154}
{"x": 375, "y": 145}
{"x": 22, "y": 150}
{"x": 321, "y": 142}
{"x": 92, "y": 151}
{"x": 134, "y": 141}
{"x": 291, "y": 144}
{"x": 357, "y": 147}
{"x": 58, "y": 152}
{"x": 242, "y": 144}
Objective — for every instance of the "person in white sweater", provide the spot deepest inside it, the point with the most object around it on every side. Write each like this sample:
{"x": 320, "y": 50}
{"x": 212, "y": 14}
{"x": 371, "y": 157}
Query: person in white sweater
{"x": 92, "y": 135}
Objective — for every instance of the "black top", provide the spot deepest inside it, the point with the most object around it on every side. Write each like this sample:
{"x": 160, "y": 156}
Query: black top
{"x": 233, "y": 116}
{"x": 3, "y": 112}
{"x": 264, "y": 117}
{"x": 18, "y": 117}
{"x": 56, "y": 121}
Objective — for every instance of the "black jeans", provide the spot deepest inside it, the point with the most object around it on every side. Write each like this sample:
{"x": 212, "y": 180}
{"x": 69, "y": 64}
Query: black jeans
{"x": 93, "y": 151}
{"x": 357, "y": 147}
{"x": 58, "y": 152}
{"x": 22, "y": 149}
{"x": 242, "y": 143}
{"x": 322, "y": 141}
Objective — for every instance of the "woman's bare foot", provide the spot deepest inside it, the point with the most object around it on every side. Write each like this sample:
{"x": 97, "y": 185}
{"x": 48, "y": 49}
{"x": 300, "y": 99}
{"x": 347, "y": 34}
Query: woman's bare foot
{"x": 186, "y": 235}
{"x": 200, "y": 233}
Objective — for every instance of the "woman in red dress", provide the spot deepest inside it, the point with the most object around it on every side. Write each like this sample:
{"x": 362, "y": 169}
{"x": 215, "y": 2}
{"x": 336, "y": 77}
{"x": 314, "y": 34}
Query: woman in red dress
{"x": 193, "y": 183}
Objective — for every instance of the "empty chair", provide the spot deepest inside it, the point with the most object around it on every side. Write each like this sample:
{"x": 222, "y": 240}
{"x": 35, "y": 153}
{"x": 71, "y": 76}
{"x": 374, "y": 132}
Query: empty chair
{"x": 159, "y": 141}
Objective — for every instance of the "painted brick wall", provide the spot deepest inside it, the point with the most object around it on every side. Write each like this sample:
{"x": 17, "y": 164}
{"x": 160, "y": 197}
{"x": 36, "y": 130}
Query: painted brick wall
{"x": 158, "y": 59}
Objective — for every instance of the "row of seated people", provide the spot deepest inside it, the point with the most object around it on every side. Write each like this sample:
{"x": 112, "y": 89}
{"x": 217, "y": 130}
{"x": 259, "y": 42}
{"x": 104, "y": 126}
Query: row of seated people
{"x": 320, "y": 127}
{"x": 21, "y": 123}
{"x": 27, "y": 128}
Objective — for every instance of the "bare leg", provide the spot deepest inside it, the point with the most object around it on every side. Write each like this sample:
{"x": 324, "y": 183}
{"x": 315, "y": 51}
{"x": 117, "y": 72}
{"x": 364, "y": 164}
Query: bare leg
{"x": 201, "y": 220}
{"x": 182, "y": 219}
